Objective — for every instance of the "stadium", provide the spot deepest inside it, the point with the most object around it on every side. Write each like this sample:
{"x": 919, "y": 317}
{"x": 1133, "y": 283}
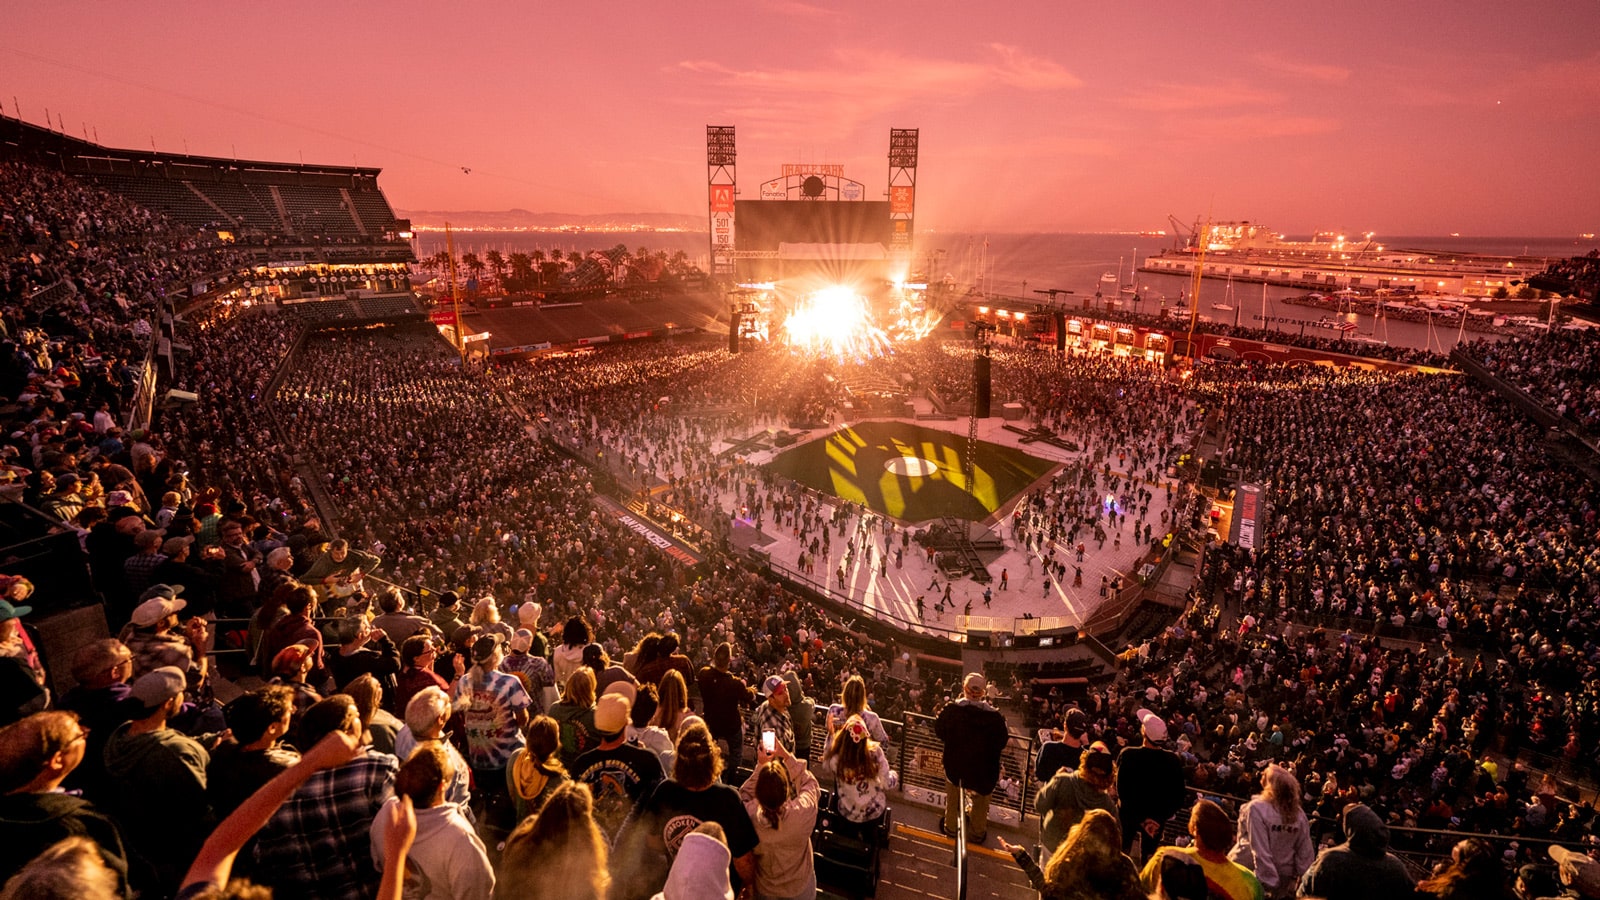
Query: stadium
{"x": 1372, "y": 568}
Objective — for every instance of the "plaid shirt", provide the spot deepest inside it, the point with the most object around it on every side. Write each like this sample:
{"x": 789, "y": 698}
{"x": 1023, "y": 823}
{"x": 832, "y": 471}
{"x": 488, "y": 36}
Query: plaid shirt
{"x": 153, "y": 649}
{"x": 318, "y": 843}
{"x": 767, "y": 718}
{"x": 138, "y": 569}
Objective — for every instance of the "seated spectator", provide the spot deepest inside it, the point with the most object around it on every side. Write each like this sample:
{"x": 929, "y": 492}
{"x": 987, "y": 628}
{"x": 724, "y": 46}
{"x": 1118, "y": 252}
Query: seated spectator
{"x": 447, "y": 860}
{"x": 535, "y": 771}
{"x": 862, "y": 774}
{"x": 781, "y": 798}
{"x": 317, "y": 843}
{"x": 1360, "y": 867}
{"x": 22, "y": 675}
{"x": 1212, "y": 831}
{"x": 558, "y": 854}
{"x": 1068, "y": 796}
{"x": 160, "y": 776}
{"x": 36, "y": 756}
{"x": 427, "y": 716}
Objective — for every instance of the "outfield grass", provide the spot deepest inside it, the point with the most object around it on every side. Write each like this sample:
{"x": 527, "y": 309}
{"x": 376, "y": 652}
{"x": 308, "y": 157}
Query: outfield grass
{"x": 850, "y": 463}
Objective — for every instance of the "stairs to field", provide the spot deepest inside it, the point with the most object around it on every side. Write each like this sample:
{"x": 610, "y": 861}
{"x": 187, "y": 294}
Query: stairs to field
{"x": 917, "y": 866}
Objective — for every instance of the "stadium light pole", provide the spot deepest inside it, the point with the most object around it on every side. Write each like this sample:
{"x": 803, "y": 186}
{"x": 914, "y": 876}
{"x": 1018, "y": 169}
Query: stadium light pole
{"x": 455, "y": 293}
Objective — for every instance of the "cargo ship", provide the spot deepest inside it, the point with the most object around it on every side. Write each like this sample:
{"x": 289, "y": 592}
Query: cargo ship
{"x": 1251, "y": 252}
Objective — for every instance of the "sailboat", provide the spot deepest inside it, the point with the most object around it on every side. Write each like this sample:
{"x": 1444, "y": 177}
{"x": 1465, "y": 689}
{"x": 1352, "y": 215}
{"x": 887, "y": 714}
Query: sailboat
{"x": 1227, "y": 304}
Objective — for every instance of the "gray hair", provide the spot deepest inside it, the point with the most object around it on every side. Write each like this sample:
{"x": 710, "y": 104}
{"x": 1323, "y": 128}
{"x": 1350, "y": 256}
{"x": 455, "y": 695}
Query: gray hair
{"x": 424, "y": 710}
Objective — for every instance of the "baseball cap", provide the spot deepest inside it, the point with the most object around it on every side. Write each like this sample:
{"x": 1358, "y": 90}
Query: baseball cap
{"x": 1578, "y": 871}
{"x": 290, "y": 658}
{"x": 974, "y": 682}
{"x": 150, "y": 537}
{"x": 1154, "y": 728}
{"x": 522, "y": 640}
{"x": 624, "y": 688}
{"x": 1077, "y": 723}
{"x": 773, "y": 685}
{"x": 155, "y": 609}
{"x": 9, "y": 612}
{"x": 164, "y": 591}
{"x": 592, "y": 654}
{"x": 173, "y": 544}
{"x": 612, "y": 713}
{"x": 157, "y": 686}
{"x": 485, "y": 647}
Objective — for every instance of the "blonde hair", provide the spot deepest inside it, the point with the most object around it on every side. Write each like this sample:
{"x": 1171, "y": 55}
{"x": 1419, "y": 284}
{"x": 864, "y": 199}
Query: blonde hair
{"x": 671, "y": 703}
{"x": 1280, "y": 788}
{"x": 853, "y": 760}
{"x": 580, "y": 687}
{"x": 485, "y": 612}
{"x": 70, "y": 869}
{"x": 557, "y": 854}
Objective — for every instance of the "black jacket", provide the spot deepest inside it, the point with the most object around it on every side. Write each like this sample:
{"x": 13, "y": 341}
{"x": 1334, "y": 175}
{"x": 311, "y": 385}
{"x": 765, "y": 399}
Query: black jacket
{"x": 30, "y": 823}
{"x": 974, "y": 736}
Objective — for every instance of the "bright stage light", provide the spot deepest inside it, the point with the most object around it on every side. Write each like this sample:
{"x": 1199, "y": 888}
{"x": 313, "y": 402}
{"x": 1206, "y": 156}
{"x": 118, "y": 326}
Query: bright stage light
{"x": 834, "y": 320}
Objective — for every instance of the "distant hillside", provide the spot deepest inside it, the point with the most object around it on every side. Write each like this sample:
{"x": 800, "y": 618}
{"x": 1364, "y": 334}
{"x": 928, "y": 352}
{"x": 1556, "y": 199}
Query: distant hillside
{"x": 521, "y": 218}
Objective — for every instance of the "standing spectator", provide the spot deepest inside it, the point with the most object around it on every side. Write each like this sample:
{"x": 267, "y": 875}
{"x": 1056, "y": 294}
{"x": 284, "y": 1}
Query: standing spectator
{"x": 1473, "y": 872}
{"x": 1274, "y": 837}
{"x": 1360, "y": 867}
{"x": 160, "y": 775}
{"x": 493, "y": 709}
{"x": 781, "y": 798}
{"x": 199, "y": 585}
{"x": 1070, "y": 794}
{"x": 558, "y": 853}
{"x": 694, "y": 795}
{"x": 619, "y": 775}
{"x": 606, "y": 673}
{"x": 36, "y": 756}
{"x": 102, "y": 701}
{"x": 773, "y": 714}
{"x": 417, "y": 657}
{"x": 575, "y": 636}
{"x": 701, "y": 870}
{"x": 1212, "y": 831}
{"x": 446, "y": 617}
{"x": 1149, "y": 786}
{"x": 154, "y": 638}
{"x": 138, "y": 568}
{"x": 723, "y": 693}
{"x": 426, "y": 717}
{"x": 317, "y": 844}
{"x": 338, "y": 573}
{"x": 802, "y": 712}
{"x": 535, "y": 771}
{"x": 665, "y": 658}
{"x": 532, "y": 669}
{"x": 364, "y": 650}
{"x": 853, "y": 700}
{"x": 974, "y": 735}
{"x": 241, "y": 582}
{"x": 296, "y": 627}
{"x": 253, "y": 755}
{"x": 447, "y": 860}
{"x": 398, "y": 624}
{"x": 1064, "y": 747}
{"x": 1578, "y": 871}
{"x": 276, "y": 573}
{"x": 862, "y": 774}
{"x": 1088, "y": 864}
{"x": 574, "y": 715}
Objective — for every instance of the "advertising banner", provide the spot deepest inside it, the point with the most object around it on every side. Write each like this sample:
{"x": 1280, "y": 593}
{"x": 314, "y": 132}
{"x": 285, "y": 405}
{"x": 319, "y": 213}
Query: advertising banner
{"x": 722, "y": 198}
{"x": 901, "y": 199}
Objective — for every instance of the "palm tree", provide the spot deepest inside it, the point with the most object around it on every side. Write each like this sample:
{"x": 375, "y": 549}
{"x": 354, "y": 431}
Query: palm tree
{"x": 538, "y": 265}
{"x": 497, "y": 265}
{"x": 473, "y": 265}
{"x": 521, "y": 269}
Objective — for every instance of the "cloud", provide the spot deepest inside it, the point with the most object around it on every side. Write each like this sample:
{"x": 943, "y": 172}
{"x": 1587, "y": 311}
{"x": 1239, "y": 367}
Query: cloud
{"x": 1325, "y": 73}
{"x": 861, "y": 85}
{"x": 1173, "y": 97}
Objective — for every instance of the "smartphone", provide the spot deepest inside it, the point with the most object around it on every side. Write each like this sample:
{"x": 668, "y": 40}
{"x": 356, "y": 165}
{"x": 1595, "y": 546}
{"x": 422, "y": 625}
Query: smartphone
{"x": 769, "y": 741}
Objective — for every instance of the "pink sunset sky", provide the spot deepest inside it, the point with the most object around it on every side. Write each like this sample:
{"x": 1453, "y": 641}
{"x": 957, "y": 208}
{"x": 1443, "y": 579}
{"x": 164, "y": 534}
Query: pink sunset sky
{"x": 1396, "y": 117}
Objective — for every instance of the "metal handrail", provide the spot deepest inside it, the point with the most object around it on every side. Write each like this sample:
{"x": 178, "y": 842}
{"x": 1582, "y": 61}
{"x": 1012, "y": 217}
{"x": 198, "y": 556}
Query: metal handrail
{"x": 960, "y": 851}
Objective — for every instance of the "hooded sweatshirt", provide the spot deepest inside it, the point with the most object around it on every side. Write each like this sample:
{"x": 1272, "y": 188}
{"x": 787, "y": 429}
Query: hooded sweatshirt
{"x": 447, "y": 860}
{"x": 1361, "y": 867}
{"x": 700, "y": 872}
{"x": 161, "y": 802}
{"x": 30, "y": 823}
{"x": 1278, "y": 851}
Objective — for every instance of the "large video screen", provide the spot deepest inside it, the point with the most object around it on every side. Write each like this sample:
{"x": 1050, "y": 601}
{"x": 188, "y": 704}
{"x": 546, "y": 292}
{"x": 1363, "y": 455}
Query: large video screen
{"x": 764, "y": 224}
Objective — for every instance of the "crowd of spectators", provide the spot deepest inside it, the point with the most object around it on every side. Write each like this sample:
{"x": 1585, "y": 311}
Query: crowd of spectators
{"x": 531, "y": 760}
{"x": 1559, "y": 369}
